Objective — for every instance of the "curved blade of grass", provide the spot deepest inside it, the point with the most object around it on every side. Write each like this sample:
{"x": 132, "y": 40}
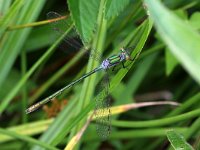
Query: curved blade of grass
{"x": 177, "y": 141}
{"x": 41, "y": 33}
{"x": 157, "y": 122}
{"x": 34, "y": 24}
{"x": 139, "y": 133}
{"x": 188, "y": 103}
{"x": 127, "y": 107}
{"x": 182, "y": 39}
{"x": 27, "y": 139}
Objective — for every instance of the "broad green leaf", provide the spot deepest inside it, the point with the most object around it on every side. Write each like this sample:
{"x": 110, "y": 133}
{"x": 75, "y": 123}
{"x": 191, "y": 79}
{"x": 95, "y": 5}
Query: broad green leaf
{"x": 177, "y": 141}
{"x": 171, "y": 61}
{"x": 114, "y": 7}
{"x": 84, "y": 15}
{"x": 181, "y": 39}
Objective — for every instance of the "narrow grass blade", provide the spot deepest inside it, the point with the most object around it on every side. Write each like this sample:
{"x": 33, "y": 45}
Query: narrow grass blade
{"x": 139, "y": 133}
{"x": 157, "y": 122}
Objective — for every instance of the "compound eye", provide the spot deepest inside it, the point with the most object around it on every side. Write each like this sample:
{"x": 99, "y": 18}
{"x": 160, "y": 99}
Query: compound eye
{"x": 122, "y": 49}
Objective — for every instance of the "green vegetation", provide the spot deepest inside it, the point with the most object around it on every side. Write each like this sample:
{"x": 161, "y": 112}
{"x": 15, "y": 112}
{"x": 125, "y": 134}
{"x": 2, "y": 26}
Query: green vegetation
{"x": 164, "y": 38}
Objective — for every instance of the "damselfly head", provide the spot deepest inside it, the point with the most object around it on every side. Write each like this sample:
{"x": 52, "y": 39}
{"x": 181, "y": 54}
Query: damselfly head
{"x": 126, "y": 54}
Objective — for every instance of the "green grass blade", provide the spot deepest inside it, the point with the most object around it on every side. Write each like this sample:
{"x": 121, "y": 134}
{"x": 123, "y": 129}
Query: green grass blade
{"x": 189, "y": 103}
{"x": 139, "y": 133}
{"x": 158, "y": 122}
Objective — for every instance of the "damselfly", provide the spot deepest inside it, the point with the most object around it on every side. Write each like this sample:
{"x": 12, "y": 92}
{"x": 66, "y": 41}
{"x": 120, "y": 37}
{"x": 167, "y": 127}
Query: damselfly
{"x": 102, "y": 102}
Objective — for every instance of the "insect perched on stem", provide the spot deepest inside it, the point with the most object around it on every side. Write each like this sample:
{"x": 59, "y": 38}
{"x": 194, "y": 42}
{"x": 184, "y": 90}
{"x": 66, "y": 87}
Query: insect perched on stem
{"x": 102, "y": 101}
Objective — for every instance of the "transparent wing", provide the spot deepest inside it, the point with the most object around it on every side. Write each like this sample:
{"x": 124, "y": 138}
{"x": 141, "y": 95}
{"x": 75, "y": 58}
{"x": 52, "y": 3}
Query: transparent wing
{"x": 59, "y": 27}
{"x": 72, "y": 39}
{"x": 102, "y": 110}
